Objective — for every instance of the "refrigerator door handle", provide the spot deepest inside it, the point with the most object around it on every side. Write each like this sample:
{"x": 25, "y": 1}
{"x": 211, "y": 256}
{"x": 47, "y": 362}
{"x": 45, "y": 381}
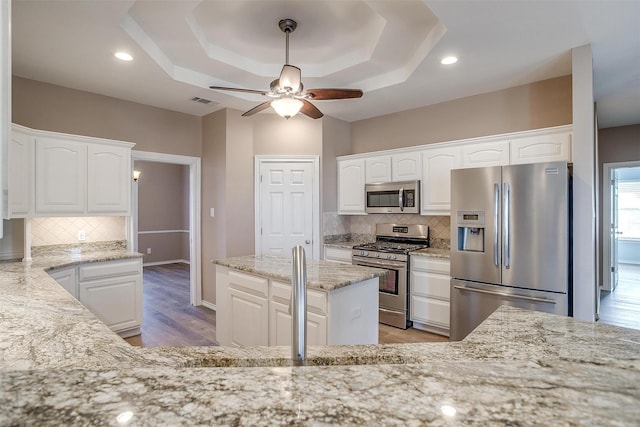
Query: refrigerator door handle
{"x": 496, "y": 234}
{"x": 507, "y": 226}
{"x": 401, "y": 199}
{"x": 504, "y": 294}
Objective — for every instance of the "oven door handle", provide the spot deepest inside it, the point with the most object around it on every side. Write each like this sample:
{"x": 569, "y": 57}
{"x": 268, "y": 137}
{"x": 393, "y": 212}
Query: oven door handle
{"x": 378, "y": 263}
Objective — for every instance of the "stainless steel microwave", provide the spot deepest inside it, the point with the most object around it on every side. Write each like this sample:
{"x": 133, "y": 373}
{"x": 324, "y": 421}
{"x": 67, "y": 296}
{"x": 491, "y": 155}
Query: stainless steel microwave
{"x": 393, "y": 197}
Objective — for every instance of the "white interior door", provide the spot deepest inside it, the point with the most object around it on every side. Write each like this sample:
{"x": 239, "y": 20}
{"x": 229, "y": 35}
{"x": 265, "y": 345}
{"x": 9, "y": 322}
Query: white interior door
{"x": 286, "y": 207}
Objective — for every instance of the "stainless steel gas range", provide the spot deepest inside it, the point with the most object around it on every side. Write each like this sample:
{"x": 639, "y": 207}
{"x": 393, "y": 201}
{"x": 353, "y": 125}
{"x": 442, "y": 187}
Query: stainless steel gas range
{"x": 391, "y": 251}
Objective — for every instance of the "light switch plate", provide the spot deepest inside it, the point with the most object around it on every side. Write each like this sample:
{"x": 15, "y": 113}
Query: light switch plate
{"x": 211, "y": 212}
{"x": 82, "y": 236}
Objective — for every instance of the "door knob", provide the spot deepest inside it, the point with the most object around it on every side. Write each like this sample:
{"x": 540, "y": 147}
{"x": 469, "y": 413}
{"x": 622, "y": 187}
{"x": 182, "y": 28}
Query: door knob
{"x": 307, "y": 241}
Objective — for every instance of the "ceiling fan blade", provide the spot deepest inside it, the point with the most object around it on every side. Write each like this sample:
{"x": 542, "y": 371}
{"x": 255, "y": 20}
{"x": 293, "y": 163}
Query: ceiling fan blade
{"x": 308, "y": 109}
{"x": 257, "y": 109}
{"x": 324, "y": 94}
{"x": 235, "y": 89}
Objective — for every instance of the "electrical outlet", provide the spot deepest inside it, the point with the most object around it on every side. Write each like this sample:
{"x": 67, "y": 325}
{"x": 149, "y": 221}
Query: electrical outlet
{"x": 148, "y": 251}
{"x": 82, "y": 236}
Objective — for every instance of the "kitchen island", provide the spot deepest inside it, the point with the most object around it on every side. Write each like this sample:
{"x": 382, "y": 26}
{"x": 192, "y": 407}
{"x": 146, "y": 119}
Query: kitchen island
{"x": 60, "y": 366}
{"x": 253, "y": 296}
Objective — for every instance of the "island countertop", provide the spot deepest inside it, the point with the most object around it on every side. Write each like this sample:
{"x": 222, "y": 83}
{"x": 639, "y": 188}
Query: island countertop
{"x": 322, "y": 275}
{"x": 60, "y": 366}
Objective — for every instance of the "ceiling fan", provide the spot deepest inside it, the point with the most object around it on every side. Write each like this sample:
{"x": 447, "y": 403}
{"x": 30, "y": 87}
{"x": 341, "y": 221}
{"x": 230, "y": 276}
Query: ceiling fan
{"x": 287, "y": 91}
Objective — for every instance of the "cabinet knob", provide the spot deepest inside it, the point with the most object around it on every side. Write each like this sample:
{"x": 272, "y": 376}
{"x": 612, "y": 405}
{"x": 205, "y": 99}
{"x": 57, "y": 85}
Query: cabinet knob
{"x": 307, "y": 241}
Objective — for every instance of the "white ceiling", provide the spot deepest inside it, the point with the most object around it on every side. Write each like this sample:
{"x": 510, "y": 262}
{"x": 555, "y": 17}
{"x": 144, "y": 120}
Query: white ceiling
{"x": 389, "y": 48}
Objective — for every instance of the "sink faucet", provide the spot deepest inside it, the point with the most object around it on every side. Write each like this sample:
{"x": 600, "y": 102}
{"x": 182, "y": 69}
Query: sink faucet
{"x": 298, "y": 306}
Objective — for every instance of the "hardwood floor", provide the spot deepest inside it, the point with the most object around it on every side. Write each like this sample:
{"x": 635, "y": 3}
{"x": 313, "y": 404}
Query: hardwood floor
{"x": 622, "y": 306}
{"x": 167, "y": 317}
{"x": 169, "y": 320}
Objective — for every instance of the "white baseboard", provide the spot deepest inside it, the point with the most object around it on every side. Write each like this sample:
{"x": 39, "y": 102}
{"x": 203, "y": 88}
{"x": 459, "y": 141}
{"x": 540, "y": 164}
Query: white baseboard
{"x": 209, "y": 305}
{"x": 173, "y": 261}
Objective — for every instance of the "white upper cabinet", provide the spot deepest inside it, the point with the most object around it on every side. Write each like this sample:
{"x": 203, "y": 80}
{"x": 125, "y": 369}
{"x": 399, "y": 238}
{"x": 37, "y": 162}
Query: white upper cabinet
{"x": 351, "y": 177}
{"x": 436, "y": 179}
{"x": 52, "y": 174}
{"x": 406, "y": 167}
{"x": 108, "y": 179}
{"x": 553, "y": 147}
{"x": 20, "y": 175}
{"x": 378, "y": 169}
{"x": 485, "y": 154}
{"x": 61, "y": 168}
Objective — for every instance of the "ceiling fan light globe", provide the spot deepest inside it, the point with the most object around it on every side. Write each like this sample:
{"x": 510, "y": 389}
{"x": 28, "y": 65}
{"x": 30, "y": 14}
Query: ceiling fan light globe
{"x": 287, "y": 107}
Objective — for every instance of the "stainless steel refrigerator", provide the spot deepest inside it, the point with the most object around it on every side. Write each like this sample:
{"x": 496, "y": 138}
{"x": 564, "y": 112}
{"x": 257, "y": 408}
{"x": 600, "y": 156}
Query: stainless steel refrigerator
{"x": 510, "y": 241}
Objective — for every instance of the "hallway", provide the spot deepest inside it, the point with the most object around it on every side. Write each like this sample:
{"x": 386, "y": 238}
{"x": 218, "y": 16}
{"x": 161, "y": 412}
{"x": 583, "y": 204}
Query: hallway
{"x": 622, "y": 306}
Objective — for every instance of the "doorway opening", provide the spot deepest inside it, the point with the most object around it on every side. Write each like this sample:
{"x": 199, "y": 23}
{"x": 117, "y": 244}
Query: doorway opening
{"x": 620, "y": 292}
{"x": 192, "y": 226}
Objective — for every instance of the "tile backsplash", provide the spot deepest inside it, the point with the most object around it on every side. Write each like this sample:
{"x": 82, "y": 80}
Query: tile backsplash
{"x": 335, "y": 224}
{"x": 64, "y": 230}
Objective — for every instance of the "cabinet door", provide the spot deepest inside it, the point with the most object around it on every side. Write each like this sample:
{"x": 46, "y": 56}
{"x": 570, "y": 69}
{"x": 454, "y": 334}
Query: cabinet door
{"x": 108, "y": 179}
{"x": 66, "y": 277}
{"x": 61, "y": 171}
{"x": 487, "y": 154}
{"x": 20, "y": 175}
{"x": 378, "y": 169}
{"x": 406, "y": 167}
{"x": 351, "y": 186}
{"x": 430, "y": 311}
{"x": 431, "y": 285}
{"x": 249, "y": 319}
{"x": 116, "y": 301}
{"x": 436, "y": 179}
{"x": 541, "y": 148}
{"x": 280, "y": 326}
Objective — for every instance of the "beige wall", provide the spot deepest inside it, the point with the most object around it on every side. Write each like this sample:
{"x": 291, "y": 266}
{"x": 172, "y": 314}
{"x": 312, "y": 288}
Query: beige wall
{"x": 618, "y": 144}
{"x": 44, "y": 106}
{"x": 214, "y": 231}
{"x": 163, "y": 204}
{"x": 536, "y": 105}
{"x": 336, "y": 141}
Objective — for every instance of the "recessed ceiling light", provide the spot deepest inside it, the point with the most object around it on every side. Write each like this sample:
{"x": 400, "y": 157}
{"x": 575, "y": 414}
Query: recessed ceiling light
{"x": 449, "y": 60}
{"x": 123, "y": 56}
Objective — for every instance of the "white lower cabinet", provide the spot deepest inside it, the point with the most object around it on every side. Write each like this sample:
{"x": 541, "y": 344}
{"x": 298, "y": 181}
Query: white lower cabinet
{"x": 66, "y": 277}
{"x": 111, "y": 290}
{"x": 280, "y": 318}
{"x": 249, "y": 309}
{"x": 249, "y": 319}
{"x": 340, "y": 255}
{"x": 430, "y": 291}
{"x": 254, "y": 311}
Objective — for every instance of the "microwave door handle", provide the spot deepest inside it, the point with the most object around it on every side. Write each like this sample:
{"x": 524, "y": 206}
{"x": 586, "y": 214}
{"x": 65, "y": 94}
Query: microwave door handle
{"x": 496, "y": 224}
{"x": 401, "y": 199}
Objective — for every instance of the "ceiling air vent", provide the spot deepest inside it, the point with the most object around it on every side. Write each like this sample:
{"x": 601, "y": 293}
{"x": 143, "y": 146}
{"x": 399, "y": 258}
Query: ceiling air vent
{"x": 201, "y": 100}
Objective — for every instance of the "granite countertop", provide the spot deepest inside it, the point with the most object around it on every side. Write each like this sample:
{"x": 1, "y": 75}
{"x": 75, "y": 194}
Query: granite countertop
{"x": 60, "y": 366}
{"x": 344, "y": 245}
{"x": 323, "y": 275}
{"x": 432, "y": 252}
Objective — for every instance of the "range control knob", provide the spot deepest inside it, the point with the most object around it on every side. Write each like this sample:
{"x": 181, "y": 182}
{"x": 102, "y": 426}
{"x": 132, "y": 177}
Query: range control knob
{"x": 377, "y": 255}
{"x": 391, "y": 257}
{"x": 364, "y": 253}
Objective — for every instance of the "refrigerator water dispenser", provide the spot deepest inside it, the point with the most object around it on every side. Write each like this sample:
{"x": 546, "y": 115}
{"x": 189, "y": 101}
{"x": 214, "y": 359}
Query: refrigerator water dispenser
{"x": 470, "y": 231}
